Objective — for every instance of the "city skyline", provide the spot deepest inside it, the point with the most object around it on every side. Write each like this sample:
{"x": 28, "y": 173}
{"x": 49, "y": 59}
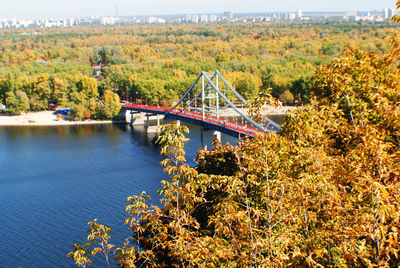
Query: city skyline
{"x": 41, "y": 9}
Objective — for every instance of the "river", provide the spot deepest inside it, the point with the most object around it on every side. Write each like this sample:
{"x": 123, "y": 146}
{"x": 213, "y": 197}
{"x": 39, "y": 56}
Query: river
{"x": 54, "y": 180}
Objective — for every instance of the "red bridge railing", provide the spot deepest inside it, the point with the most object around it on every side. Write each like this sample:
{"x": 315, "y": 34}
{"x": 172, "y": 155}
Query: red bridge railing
{"x": 248, "y": 130}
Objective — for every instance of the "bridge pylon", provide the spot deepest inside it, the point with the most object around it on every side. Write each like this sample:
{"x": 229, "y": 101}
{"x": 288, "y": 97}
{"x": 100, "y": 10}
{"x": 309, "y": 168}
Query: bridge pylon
{"x": 213, "y": 98}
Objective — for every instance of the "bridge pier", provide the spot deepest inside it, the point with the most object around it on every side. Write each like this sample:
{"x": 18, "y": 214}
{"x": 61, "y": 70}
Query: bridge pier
{"x": 131, "y": 122}
{"x": 208, "y": 135}
{"x": 202, "y": 139}
{"x": 153, "y": 129}
{"x": 135, "y": 120}
{"x": 158, "y": 120}
{"x": 217, "y": 134}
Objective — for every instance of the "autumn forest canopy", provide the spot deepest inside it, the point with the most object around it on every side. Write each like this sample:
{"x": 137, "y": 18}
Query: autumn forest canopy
{"x": 324, "y": 192}
{"x": 42, "y": 68}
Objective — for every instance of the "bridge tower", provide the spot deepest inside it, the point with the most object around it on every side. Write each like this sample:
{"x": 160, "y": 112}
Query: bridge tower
{"x": 211, "y": 102}
{"x": 212, "y": 97}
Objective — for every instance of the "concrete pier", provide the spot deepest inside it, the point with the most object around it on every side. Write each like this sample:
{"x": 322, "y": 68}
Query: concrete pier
{"x": 136, "y": 119}
{"x": 153, "y": 129}
{"x": 140, "y": 119}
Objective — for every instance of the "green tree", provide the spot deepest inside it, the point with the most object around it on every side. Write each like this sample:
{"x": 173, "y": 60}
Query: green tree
{"x": 78, "y": 112}
{"x": 59, "y": 91}
{"x": 18, "y": 102}
{"x": 286, "y": 97}
{"x": 301, "y": 89}
{"x": 78, "y": 98}
{"x": 108, "y": 108}
{"x": 245, "y": 83}
{"x": 3, "y": 89}
{"x": 111, "y": 103}
{"x": 88, "y": 87}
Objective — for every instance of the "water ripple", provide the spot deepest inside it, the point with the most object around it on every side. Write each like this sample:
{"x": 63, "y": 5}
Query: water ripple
{"x": 53, "y": 181}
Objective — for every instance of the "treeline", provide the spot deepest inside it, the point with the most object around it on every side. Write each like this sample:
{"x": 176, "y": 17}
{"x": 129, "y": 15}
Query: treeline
{"x": 160, "y": 62}
{"x": 44, "y": 91}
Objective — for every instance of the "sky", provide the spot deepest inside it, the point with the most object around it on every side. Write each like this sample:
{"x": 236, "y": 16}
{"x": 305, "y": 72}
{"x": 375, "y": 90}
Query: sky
{"x": 38, "y": 9}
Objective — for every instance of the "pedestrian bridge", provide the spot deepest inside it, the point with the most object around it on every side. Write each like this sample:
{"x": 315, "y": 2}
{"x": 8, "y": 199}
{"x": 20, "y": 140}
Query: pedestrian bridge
{"x": 211, "y": 102}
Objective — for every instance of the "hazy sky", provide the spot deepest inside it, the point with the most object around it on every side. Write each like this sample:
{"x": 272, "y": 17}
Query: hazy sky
{"x": 34, "y": 9}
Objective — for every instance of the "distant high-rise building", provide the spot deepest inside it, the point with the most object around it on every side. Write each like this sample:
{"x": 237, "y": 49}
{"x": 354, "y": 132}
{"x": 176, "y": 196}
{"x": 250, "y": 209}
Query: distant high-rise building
{"x": 387, "y": 13}
{"x": 204, "y": 18}
{"x": 228, "y": 14}
{"x": 195, "y": 18}
{"x": 212, "y": 18}
{"x": 151, "y": 19}
{"x": 299, "y": 13}
{"x": 107, "y": 20}
{"x": 71, "y": 22}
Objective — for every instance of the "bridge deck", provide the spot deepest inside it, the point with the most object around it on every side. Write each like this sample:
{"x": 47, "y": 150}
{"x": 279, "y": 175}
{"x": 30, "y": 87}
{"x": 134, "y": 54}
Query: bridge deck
{"x": 223, "y": 125}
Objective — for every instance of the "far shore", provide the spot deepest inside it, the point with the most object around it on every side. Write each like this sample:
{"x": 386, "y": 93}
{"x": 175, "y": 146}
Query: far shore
{"x": 44, "y": 118}
{"x": 49, "y": 118}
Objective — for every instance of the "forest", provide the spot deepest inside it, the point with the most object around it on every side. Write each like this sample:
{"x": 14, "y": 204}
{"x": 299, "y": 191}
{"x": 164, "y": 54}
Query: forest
{"x": 324, "y": 192}
{"x": 45, "y": 68}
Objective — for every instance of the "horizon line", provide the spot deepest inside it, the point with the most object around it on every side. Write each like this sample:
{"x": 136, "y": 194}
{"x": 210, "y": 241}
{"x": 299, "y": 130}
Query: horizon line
{"x": 204, "y": 13}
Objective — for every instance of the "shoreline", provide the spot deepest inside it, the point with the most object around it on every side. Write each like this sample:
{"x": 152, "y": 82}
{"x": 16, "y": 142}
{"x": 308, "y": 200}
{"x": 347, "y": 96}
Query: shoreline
{"x": 49, "y": 118}
{"x": 44, "y": 118}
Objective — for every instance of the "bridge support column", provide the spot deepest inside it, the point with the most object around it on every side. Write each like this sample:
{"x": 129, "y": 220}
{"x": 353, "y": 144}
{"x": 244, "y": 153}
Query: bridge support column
{"x": 217, "y": 135}
{"x": 202, "y": 139}
{"x": 136, "y": 120}
{"x": 158, "y": 120}
{"x": 148, "y": 121}
{"x": 208, "y": 135}
{"x": 131, "y": 122}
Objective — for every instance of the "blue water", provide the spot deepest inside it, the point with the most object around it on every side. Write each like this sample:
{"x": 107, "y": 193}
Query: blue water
{"x": 54, "y": 180}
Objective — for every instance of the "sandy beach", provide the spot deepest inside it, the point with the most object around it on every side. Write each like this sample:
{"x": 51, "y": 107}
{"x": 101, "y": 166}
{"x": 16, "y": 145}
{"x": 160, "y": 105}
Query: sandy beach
{"x": 45, "y": 118}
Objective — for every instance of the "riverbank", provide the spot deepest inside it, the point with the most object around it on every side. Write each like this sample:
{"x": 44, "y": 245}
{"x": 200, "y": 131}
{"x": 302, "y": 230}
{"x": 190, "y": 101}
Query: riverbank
{"x": 45, "y": 118}
{"x": 49, "y": 118}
